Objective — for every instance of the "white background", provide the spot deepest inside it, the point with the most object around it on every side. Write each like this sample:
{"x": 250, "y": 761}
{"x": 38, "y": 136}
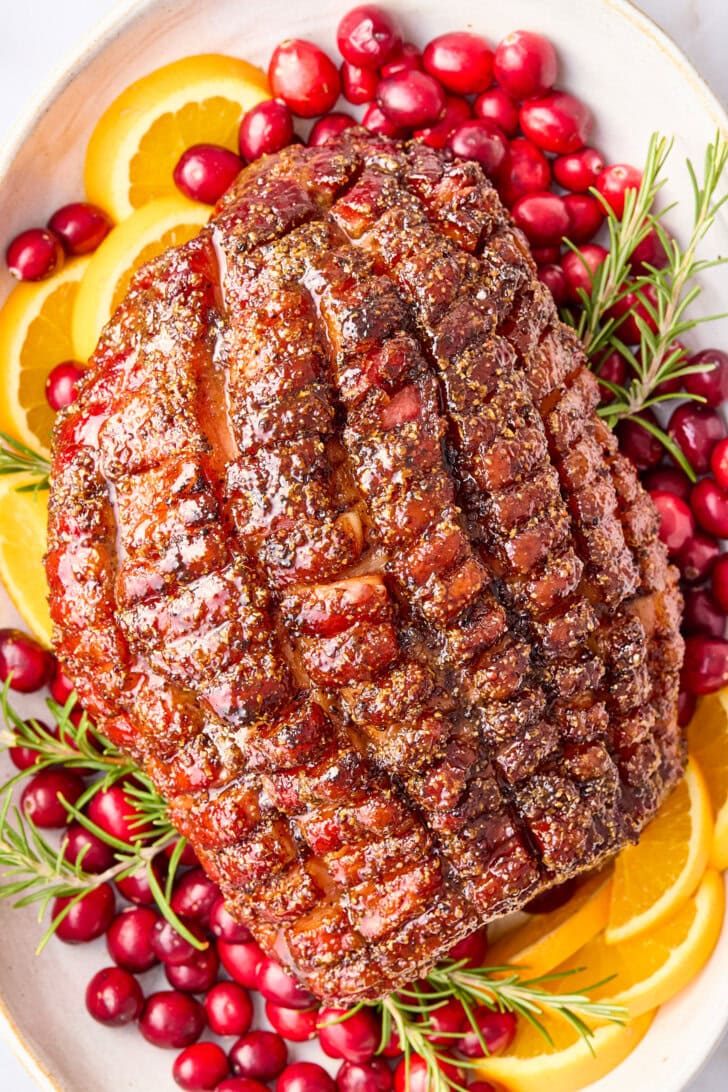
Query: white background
{"x": 36, "y": 36}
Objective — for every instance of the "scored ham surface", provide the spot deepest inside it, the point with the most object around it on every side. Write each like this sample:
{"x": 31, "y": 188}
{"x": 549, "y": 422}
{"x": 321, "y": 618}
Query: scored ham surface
{"x": 341, "y": 554}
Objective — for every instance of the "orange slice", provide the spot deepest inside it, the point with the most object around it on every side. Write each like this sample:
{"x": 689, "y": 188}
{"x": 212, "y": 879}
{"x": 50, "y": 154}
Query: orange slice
{"x": 138, "y": 140}
{"x": 654, "y": 878}
{"x": 652, "y": 967}
{"x": 708, "y": 744}
{"x": 546, "y": 940}
{"x": 23, "y": 523}
{"x": 168, "y": 221}
{"x": 35, "y": 335}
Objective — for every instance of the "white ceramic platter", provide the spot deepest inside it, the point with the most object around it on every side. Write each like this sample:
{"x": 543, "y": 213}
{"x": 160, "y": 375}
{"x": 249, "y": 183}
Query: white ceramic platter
{"x": 636, "y": 81}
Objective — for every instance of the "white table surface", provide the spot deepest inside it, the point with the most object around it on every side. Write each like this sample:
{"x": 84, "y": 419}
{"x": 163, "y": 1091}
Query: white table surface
{"x": 35, "y": 37}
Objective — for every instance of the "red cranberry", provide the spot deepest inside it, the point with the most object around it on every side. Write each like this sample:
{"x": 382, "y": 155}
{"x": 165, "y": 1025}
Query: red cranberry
{"x": 60, "y": 686}
{"x": 304, "y": 77}
{"x": 114, "y": 997}
{"x": 615, "y": 369}
{"x": 702, "y": 614}
{"x": 481, "y": 141}
{"x": 551, "y": 899}
{"x": 229, "y": 1009}
{"x": 200, "y": 1067}
{"x": 710, "y": 507}
{"x": 472, "y": 948}
{"x": 639, "y": 445}
{"x": 241, "y": 1084}
{"x": 23, "y": 662}
{"x": 296, "y": 1025}
{"x": 631, "y": 307}
{"x": 677, "y": 525}
{"x": 172, "y": 1019}
{"x": 705, "y": 667}
{"x": 80, "y": 227}
{"x": 205, "y": 171}
{"x": 25, "y": 757}
{"x": 34, "y": 255}
{"x": 261, "y": 1055}
{"x": 542, "y": 216}
{"x": 496, "y": 106}
{"x": 197, "y": 974}
{"x": 719, "y": 582}
{"x": 585, "y": 216}
{"x": 393, "y": 1049}
{"x": 188, "y": 858}
{"x": 305, "y": 1077}
{"x": 373, "y": 1076}
{"x": 194, "y": 896}
{"x": 446, "y": 1021}
{"x": 355, "y": 1038}
{"x": 579, "y": 171}
{"x": 411, "y": 99}
{"x": 546, "y": 255}
{"x": 81, "y": 845}
{"x": 277, "y": 985}
{"x": 368, "y": 36}
{"x": 376, "y": 121}
{"x": 265, "y": 129}
{"x": 697, "y": 559}
{"x": 406, "y": 59}
{"x": 170, "y": 946}
{"x": 580, "y": 269}
{"x": 668, "y": 479}
{"x": 136, "y": 887}
{"x": 719, "y": 463}
{"x": 526, "y": 170}
{"x": 554, "y": 278}
{"x": 86, "y": 919}
{"x": 456, "y": 111}
{"x": 461, "y": 61}
{"x": 557, "y": 123}
{"x": 696, "y": 429}
{"x": 413, "y": 1075}
{"x": 129, "y": 939}
{"x": 61, "y": 387}
{"x": 712, "y": 381}
{"x": 498, "y": 1029}
{"x": 358, "y": 85}
{"x": 224, "y": 925}
{"x": 329, "y": 127}
{"x": 650, "y": 252}
{"x": 686, "y": 705}
{"x": 114, "y": 811}
{"x": 43, "y": 796}
{"x": 525, "y": 64}
{"x": 241, "y": 961}
{"x": 613, "y": 183}
{"x": 481, "y": 1086}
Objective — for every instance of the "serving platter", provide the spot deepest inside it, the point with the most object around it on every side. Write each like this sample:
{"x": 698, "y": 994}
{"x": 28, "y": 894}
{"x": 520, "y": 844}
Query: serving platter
{"x": 637, "y": 82}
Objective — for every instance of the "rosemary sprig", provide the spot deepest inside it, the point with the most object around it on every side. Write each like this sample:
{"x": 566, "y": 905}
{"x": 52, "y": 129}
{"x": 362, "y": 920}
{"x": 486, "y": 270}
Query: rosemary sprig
{"x": 16, "y": 458}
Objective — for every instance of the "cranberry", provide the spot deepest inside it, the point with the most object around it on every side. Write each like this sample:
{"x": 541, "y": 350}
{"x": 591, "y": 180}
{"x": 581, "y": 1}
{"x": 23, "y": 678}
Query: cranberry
{"x": 472, "y": 948}
{"x": 525, "y": 64}
{"x": 461, "y": 61}
{"x": 614, "y": 369}
{"x": 686, "y": 705}
{"x": 697, "y": 559}
{"x": 60, "y": 686}
{"x": 358, "y": 85}
{"x": 677, "y": 525}
{"x": 579, "y": 171}
{"x": 114, "y": 811}
{"x": 277, "y": 985}
{"x": 412, "y": 1075}
{"x": 229, "y": 1009}
{"x": 498, "y": 1029}
{"x": 481, "y": 141}
{"x": 613, "y": 183}
{"x": 136, "y": 887}
{"x": 82, "y": 846}
{"x": 551, "y": 899}
{"x": 368, "y": 36}
{"x": 705, "y": 667}
{"x": 86, "y": 919}
{"x": 376, "y": 121}
{"x": 355, "y": 1038}
{"x": 43, "y": 796}
{"x": 241, "y": 1084}
{"x": 406, "y": 59}
{"x": 241, "y": 961}
{"x": 34, "y": 255}
{"x": 481, "y": 1086}
{"x": 80, "y": 227}
{"x": 24, "y": 664}
{"x": 114, "y": 997}
{"x": 304, "y": 77}
{"x": 373, "y": 1076}
{"x": 526, "y": 170}
{"x": 546, "y": 255}
{"x": 719, "y": 582}
{"x": 172, "y": 1019}
{"x": 650, "y": 252}
{"x": 224, "y": 925}
{"x": 393, "y": 1049}
{"x": 456, "y": 111}
{"x": 554, "y": 278}
{"x": 638, "y": 444}
{"x": 557, "y": 123}
{"x": 296, "y": 1025}
{"x": 205, "y": 171}
{"x": 668, "y": 479}
{"x": 496, "y": 106}
{"x": 580, "y": 269}
{"x": 197, "y": 974}
{"x": 61, "y": 386}
{"x": 710, "y": 507}
{"x": 631, "y": 307}
{"x": 261, "y": 1055}
{"x": 696, "y": 429}
{"x": 188, "y": 858}
{"x": 194, "y": 896}
{"x": 712, "y": 381}
{"x": 170, "y": 946}
{"x": 702, "y": 614}
{"x": 411, "y": 99}
{"x": 25, "y": 757}
{"x": 542, "y": 216}
{"x": 445, "y": 1021}
{"x": 585, "y": 216}
{"x": 305, "y": 1077}
{"x": 129, "y": 939}
{"x": 329, "y": 127}
{"x": 265, "y": 129}
{"x": 200, "y": 1067}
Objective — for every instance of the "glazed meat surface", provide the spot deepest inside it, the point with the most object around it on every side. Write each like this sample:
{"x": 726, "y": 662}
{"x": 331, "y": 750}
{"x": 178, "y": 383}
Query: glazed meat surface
{"x": 341, "y": 554}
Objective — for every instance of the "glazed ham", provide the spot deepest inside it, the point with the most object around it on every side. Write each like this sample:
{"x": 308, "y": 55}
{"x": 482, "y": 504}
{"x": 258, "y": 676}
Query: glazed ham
{"x": 341, "y": 554}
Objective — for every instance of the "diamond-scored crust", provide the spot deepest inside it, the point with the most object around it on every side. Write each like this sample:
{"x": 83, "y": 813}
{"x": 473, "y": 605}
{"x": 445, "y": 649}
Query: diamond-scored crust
{"x": 342, "y": 555}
